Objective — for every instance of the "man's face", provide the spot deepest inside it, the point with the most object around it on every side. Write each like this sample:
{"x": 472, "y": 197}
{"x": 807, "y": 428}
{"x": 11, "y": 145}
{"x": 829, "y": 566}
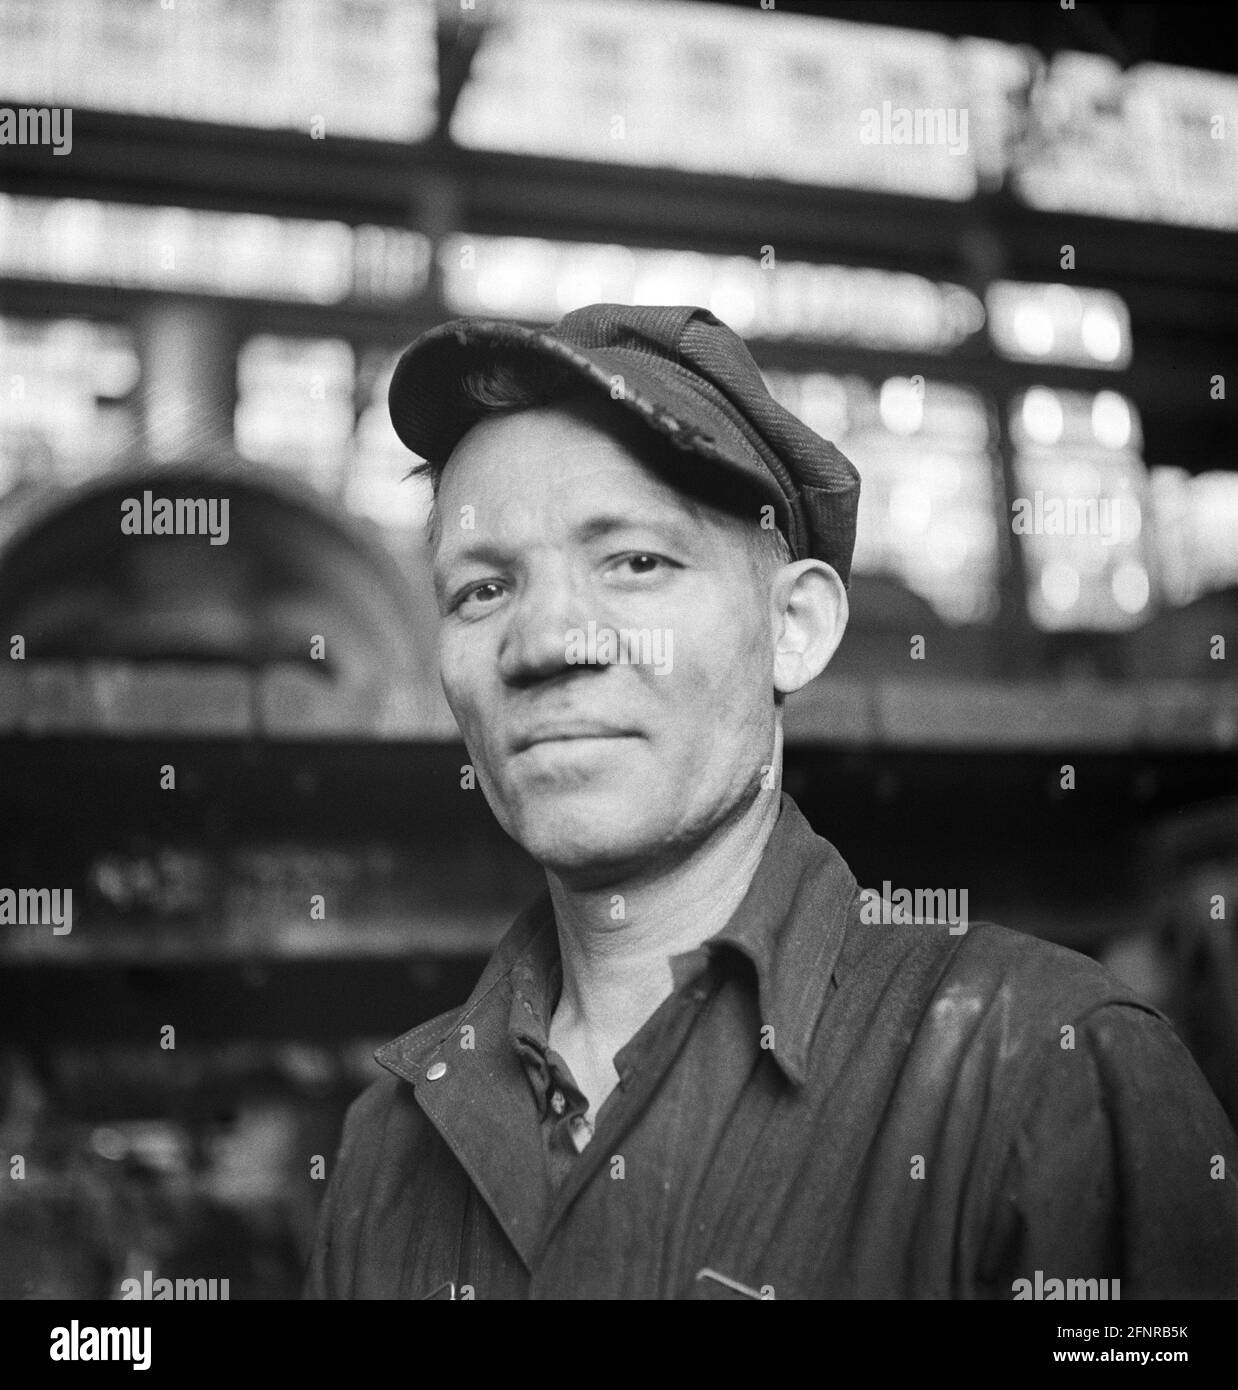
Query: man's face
{"x": 604, "y": 768}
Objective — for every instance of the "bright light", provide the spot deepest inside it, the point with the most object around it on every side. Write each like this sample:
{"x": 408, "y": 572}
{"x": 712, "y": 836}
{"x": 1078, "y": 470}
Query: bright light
{"x": 1111, "y": 420}
{"x": 930, "y": 518}
{"x": 1059, "y": 323}
{"x": 499, "y": 288}
{"x": 1042, "y": 415}
{"x": 1065, "y": 304}
{"x": 1130, "y": 587}
{"x": 577, "y": 287}
{"x": 1139, "y": 142}
{"x": 1193, "y": 524}
{"x": 950, "y": 477}
{"x": 1101, "y": 333}
{"x": 951, "y": 547}
{"x": 1084, "y": 559}
{"x": 823, "y": 404}
{"x": 1033, "y": 327}
{"x": 735, "y": 304}
{"x": 674, "y": 277}
{"x": 295, "y": 405}
{"x": 183, "y": 249}
{"x": 901, "y": 405}
{"x": 1059, "y": 584}
{"x": 1080, "y": 478}
{"x": 911, "y": 508}
{"x": 68, "y": 408}
{"x": 534, "y": 278}
{"x": 366, "y": 68}
{"x": 734, "y": 91}
{"x": 1131, "y": 514}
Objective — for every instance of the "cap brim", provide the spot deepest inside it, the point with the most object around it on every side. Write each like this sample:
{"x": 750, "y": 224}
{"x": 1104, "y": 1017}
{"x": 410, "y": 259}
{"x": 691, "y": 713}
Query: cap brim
{"x": 431, "y": 410}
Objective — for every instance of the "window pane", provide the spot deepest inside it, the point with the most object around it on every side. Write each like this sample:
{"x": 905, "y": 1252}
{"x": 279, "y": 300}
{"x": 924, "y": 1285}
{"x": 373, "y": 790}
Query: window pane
{"x": 363, "y": 68}
{"x": 68, "y": 399}
{"x": 928, "y": 506}
{"x": 180, "y": 249}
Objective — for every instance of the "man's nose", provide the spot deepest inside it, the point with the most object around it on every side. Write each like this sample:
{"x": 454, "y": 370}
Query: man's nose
{"x": 540, "y": 621}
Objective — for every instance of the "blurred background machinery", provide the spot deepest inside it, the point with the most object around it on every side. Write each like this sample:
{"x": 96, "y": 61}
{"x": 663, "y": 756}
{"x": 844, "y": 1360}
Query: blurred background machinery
{"x": 262, "y": 204}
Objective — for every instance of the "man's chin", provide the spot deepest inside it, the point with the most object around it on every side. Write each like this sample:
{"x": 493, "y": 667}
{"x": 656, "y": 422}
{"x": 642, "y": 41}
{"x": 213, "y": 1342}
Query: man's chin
{"x": 586, "y": 837}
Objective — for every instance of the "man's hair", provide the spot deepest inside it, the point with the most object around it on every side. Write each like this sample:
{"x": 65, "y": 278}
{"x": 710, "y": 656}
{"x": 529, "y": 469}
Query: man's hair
{"x": 507, "y": 385}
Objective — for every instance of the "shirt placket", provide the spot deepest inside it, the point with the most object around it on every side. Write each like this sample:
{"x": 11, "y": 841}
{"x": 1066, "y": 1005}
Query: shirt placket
{"x": 562, "y": 1106}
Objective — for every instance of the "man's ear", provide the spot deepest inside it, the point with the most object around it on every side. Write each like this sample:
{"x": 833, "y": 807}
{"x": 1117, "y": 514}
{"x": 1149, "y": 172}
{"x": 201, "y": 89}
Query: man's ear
{"x": 809, "y": 609}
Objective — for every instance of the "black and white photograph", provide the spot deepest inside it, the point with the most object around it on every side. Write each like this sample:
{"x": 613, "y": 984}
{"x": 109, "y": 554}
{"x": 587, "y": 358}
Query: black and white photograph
{"x": 618, "y": 669}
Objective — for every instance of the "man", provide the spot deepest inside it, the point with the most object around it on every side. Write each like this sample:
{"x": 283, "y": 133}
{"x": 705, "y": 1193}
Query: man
{"x": 696, "y": 1068}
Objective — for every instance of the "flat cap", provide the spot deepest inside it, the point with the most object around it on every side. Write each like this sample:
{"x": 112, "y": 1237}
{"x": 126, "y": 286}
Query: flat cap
{"x": 680, "y": 369}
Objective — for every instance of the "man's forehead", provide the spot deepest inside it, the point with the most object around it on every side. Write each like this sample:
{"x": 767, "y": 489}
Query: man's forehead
{"x": 579, "y": 431}
{"x": 580, "y": 514}
{"x": 550, "y": 463}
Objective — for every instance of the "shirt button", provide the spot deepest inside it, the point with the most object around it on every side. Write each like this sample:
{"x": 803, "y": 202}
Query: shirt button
{"x": 558, "y": 1103}
{"x": 436, "y": 1070}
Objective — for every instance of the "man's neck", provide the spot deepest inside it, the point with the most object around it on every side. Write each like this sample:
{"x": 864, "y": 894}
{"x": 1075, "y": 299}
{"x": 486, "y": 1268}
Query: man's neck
{"x": 616, "y": 969}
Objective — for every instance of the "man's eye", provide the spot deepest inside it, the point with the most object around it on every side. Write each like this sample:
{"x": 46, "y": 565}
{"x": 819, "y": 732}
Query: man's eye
{"x": 478, "y": 595}
{"x": 642, "y": 562}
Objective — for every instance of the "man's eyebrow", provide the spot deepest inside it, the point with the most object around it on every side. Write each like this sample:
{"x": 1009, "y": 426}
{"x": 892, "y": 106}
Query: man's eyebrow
{"x": 593, "y": 528}
{"x": 475, "y": 552}
{"x": 596, "y": 527}
{"x": 483, "y": 551}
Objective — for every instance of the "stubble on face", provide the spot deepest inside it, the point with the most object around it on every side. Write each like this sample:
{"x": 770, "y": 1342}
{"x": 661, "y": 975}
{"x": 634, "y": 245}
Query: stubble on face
{"x": 601, "y": 771}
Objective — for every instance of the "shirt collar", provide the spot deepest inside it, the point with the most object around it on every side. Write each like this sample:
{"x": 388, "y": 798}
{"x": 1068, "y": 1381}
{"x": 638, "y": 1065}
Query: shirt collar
{"x": 406, "y": 1055}
{"x": 790, "y": 926}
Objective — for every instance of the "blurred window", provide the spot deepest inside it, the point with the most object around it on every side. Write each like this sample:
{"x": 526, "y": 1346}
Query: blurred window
{"x": 527, "y": 277}
{"x": 714, "y": 89}
{"x": 317, "y": 408}
{"x": 68, "y": 389}
{"x": 295, "y": 406}
{"x": 1079, "y": 513}
{"x": 928, "y": 506}
{"x": 378, "y": 485}
{"x": 1195, "y": 523}
{"x": 364, "y": 68}
{"x": 1059, "y": 323}
{"x": 1152, "y": 144}
{"x": 83, "y": 241}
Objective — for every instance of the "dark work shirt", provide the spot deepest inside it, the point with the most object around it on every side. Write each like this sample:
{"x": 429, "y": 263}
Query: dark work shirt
{"x": 561, "y": 1105}
{"x": 823, "y": 1108}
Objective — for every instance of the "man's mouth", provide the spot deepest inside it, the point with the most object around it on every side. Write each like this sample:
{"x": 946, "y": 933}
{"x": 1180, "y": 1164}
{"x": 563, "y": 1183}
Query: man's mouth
{"x": 568, "y": 731}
